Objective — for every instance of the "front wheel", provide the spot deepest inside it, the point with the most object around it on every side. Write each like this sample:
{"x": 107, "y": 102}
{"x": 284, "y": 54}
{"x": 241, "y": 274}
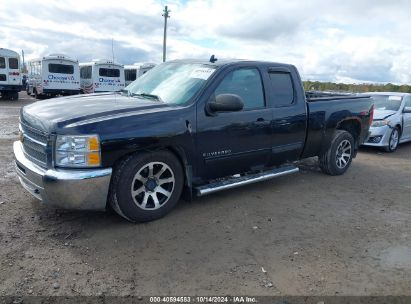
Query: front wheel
{"x": 394, "y": 140}
{"x": 337, "y": 159}
{"x": 146, "y": 186}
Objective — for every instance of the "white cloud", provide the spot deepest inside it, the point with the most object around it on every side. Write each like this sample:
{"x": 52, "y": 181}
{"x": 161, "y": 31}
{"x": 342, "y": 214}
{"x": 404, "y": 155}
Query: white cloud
{"x": 350, "y": 41}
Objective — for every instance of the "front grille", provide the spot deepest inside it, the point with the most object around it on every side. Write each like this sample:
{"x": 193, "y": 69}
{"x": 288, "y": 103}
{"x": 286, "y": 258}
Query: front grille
{"x": 35, "y": 145}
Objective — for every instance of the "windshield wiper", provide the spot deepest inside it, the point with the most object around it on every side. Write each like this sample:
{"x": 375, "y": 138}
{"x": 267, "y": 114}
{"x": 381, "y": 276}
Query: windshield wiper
{"x": 146, "y": 95}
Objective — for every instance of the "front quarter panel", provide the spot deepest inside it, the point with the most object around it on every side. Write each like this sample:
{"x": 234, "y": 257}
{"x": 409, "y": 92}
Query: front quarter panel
{"x": 124, "y": 135}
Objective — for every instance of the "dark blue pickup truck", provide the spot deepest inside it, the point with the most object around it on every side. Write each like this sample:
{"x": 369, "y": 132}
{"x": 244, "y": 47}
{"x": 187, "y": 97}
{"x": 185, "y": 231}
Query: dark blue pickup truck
{"x": 192, "y": 126}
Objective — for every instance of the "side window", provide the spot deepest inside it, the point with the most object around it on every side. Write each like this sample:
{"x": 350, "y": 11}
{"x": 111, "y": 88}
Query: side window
{"x": 408, "y": 101}
{"x": 2, "y": 63}
{"x": 105, "y": 72}
{"x": 247, "y": 84}
{"x": 130, "y": 75}
{"x": 283, "y": 89}
{"x": 13, "y": 63}
{"x": 61, "y": 68}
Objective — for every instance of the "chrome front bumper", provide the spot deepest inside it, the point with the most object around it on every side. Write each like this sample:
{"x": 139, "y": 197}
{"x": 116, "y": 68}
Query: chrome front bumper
{"x": 84, "y": 189}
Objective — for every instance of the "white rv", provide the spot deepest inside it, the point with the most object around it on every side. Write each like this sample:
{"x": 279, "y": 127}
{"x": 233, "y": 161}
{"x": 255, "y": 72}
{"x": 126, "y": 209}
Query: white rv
{"x": 55, "y": 74}
{"x": 101, "y": 75}
{"x": 132, "y": 72}
{"x": 10, "y": 75}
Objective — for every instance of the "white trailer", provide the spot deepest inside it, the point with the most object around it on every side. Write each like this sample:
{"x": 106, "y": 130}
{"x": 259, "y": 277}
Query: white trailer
{"x": 55, "y": 74}
{"x": 10, "y": 75}
{"x": 132, "y": 72}
{"x": 101, "y": 75}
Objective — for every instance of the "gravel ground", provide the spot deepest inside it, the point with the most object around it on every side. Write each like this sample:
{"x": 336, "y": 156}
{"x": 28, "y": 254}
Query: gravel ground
{"x": 303, "y": 234}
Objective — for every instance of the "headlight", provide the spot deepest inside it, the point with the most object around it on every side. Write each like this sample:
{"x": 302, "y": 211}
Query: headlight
{"x": 380, "y": 123}
{"x": 78, "y": 151}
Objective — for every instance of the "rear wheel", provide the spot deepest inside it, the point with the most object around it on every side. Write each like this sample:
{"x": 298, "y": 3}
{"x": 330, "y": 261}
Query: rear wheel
{"x": 337, "y": 159}
{"x": 14, "y": 96}
{"x": 394, "y": 140}
{"x": 146, "y": 186}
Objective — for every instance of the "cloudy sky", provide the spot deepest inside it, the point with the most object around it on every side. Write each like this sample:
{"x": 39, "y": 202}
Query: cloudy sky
{"x": 344, "y": 41}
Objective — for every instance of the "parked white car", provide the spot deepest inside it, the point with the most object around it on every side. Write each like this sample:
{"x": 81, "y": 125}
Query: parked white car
{"x": 10, "y": 76}
{"x": 52, "y": 75}
{"x": 101, "y": 75}
{"x": 392, "y": 120}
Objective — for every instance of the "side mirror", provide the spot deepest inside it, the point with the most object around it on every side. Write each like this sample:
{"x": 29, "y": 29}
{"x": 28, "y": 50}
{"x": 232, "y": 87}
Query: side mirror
{"x": 407, "y": 110}
{"x": 226, "y": 103}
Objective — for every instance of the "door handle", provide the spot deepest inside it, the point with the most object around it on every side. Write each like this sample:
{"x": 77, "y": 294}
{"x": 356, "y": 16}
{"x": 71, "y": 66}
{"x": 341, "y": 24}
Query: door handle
{"x": 284, "y": 122}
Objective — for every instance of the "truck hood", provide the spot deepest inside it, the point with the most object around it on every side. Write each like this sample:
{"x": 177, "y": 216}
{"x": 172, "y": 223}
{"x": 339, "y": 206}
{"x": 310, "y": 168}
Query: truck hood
{"x": 59, "y": 112}
{"x": 383, "y": 114}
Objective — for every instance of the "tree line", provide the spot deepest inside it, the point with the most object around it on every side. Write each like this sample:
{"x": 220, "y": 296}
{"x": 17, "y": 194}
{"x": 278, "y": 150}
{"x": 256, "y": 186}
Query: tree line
{"x": 355, "y": 88}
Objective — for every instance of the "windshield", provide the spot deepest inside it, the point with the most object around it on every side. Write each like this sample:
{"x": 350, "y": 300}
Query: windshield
{"x": 172, "y": 83}
{"x": 385, "y": 102}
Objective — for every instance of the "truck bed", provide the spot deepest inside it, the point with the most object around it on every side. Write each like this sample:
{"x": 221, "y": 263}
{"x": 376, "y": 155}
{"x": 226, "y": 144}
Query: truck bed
{"x": 314, "y": 96}
{"x": 327, "y": 113}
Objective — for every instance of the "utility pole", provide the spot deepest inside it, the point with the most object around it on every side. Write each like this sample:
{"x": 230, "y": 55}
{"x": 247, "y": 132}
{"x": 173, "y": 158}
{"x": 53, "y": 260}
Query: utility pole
{"x": 24, "y": 64}
{"x": 166, "y": 16}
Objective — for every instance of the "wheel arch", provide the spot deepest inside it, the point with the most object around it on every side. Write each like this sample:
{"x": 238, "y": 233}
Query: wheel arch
{"x": 398, "y": 125}
{"x": 352, "y": 126}
{"x": 177, "y": 151}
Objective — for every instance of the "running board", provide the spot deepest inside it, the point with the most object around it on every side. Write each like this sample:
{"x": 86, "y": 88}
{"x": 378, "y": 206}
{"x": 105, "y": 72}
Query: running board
{"x": 233, "y": 182}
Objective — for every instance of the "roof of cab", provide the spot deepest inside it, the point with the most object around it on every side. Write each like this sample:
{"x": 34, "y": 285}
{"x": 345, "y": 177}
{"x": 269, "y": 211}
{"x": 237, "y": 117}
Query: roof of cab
{"x": 61, "y": 57}
{"x": 224, "y": 62}
{"x": 101, "y": 61}
{"x": 8, "y": 53}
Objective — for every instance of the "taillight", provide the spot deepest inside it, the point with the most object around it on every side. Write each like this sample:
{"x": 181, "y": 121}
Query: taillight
{"x": 371, "y": 114}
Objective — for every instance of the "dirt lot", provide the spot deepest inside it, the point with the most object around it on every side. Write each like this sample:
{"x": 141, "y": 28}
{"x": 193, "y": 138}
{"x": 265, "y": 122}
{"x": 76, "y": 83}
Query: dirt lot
{"x": 304, "y": 234}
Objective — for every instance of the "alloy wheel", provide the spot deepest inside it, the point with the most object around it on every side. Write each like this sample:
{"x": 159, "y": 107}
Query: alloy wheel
{"x": 152, "y": 186}
{"x": 343, "y": 154}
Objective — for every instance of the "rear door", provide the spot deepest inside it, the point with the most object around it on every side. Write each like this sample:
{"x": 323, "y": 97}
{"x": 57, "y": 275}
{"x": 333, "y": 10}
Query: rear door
{"x": 3, "y": 71}
{"x": 14, "y": 76}
{"x": 61, "y": 75}
{"x": 110, "y": 78}
{"x": 289, "y": 114}
{"x": 235, "y": 142}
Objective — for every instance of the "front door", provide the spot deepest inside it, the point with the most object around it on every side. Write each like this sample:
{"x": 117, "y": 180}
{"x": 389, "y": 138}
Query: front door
{"x": 235, "y": 142}
{"x": 406, "y": 133}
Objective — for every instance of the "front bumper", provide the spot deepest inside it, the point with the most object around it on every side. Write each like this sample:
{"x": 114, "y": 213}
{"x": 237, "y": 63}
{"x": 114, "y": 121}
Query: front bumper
{"x": 379, "y": 137}
{"x": 61, "y": 92}
{"x": 84, "y": 189}
{"x": 11, "y": 87}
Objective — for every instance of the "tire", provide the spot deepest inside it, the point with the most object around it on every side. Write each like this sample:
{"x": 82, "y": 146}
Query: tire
{"x": 337, "y": 159}
{"x": 14, "y": 96}
{"x": 150, "y": 200}
{"x": 39, "y": 96}
{"x": 394, "y": 141}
